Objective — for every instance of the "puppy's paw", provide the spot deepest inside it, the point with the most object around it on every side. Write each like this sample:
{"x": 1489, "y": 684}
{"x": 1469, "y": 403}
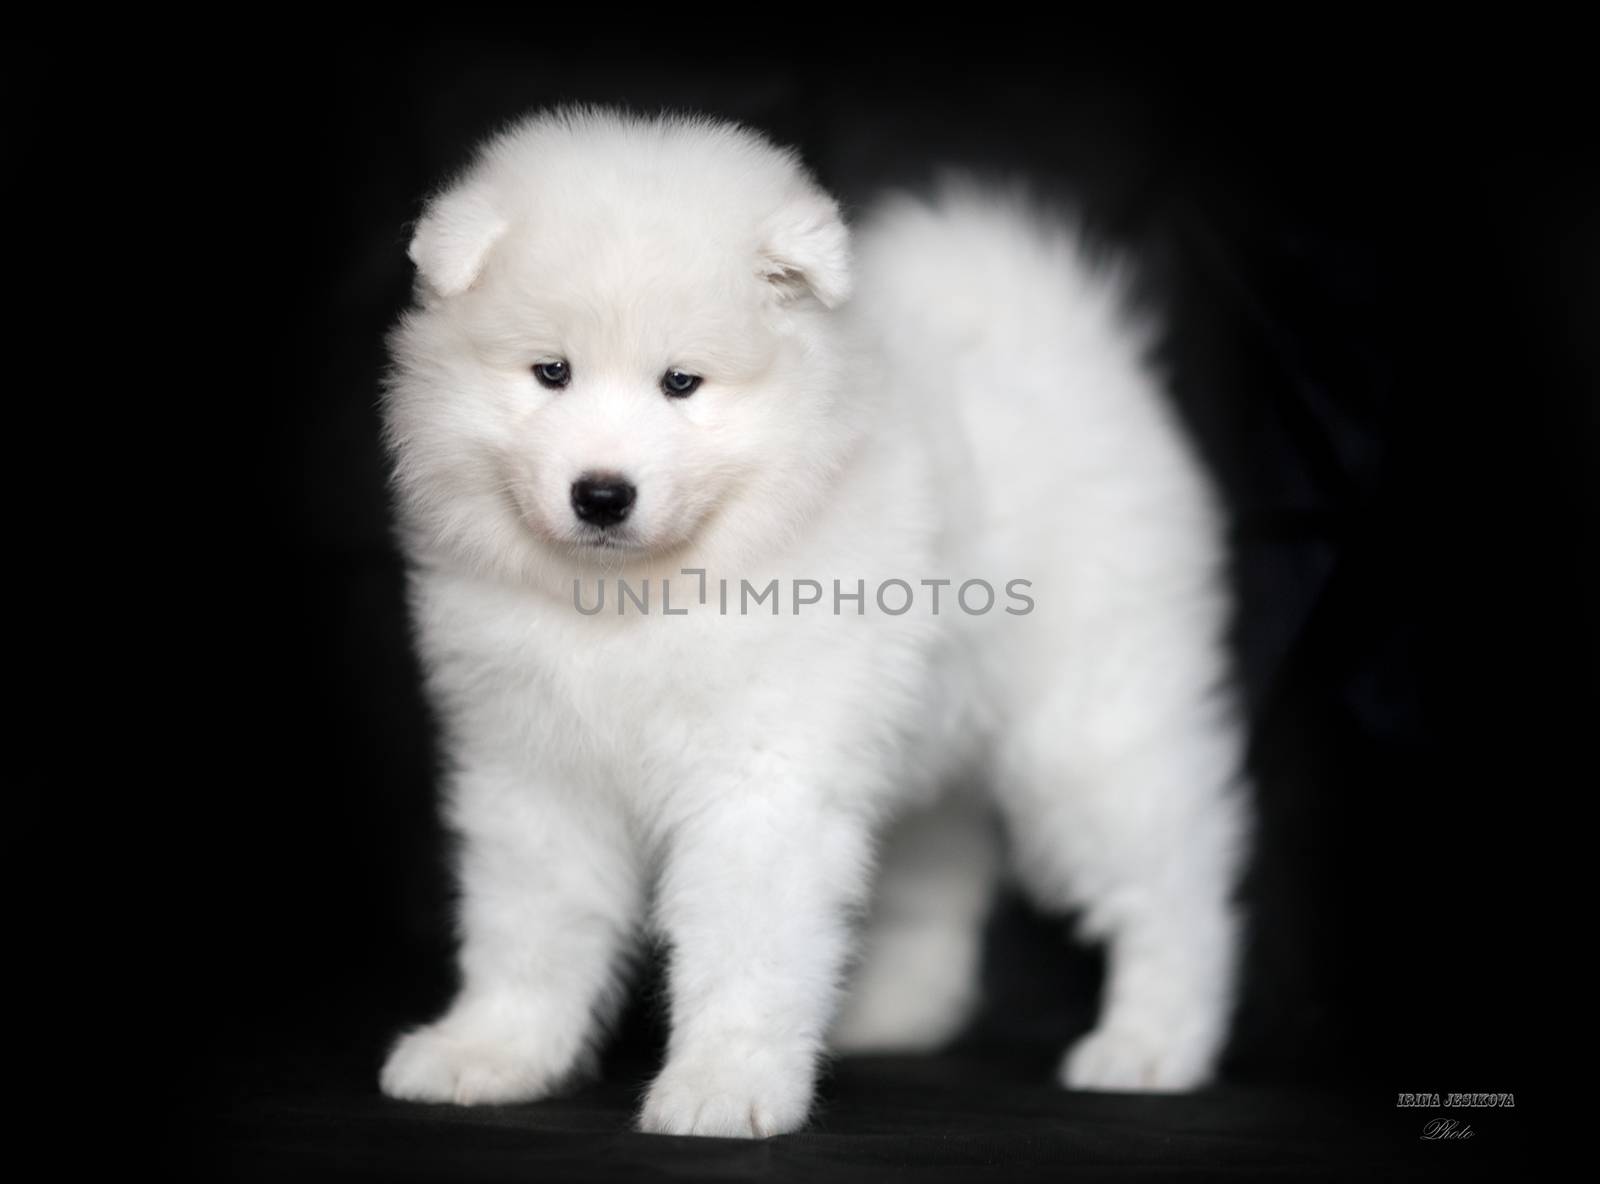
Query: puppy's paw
{"x": 1121, "y": 1061}
{"x": 435, "y": 1065}
{"x": 730, "y": 1096}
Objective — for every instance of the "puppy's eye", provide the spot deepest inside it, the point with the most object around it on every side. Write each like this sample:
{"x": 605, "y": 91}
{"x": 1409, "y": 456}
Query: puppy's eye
{"x": 554, "y": 375}
{"x": 679, "y": 385}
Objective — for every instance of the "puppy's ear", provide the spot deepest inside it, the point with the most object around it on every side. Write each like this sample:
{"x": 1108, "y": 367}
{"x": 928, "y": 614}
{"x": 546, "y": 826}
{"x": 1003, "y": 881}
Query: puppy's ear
{"x": 806, "y": 247}
{"x": 453, "y": 238}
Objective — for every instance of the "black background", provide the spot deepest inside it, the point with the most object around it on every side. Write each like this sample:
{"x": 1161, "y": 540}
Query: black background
{"x": 1376, "y": 251}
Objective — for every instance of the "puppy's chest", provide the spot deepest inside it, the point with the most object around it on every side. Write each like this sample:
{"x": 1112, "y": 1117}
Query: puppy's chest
{"x": 631, "y": 700}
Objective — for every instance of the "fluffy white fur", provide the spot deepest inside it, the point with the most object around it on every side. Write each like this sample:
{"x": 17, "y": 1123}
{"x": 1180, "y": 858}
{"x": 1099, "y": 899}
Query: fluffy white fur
{"x": 950, "y": 393}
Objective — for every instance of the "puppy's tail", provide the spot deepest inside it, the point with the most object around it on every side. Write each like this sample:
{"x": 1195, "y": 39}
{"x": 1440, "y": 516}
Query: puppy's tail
{"x": 991, "y": 273}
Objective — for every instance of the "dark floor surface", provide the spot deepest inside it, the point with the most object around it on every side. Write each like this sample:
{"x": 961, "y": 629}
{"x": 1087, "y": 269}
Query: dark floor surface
{"x": 946, "y": 1118}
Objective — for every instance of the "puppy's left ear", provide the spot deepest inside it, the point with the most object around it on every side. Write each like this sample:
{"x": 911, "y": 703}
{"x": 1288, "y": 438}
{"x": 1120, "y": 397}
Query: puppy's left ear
{"x": 452, "y": 241}
{"x": 806, "y": 248}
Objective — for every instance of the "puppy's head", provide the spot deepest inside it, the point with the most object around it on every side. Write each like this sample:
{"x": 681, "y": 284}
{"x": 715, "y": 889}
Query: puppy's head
{"x": 622, "y": 349}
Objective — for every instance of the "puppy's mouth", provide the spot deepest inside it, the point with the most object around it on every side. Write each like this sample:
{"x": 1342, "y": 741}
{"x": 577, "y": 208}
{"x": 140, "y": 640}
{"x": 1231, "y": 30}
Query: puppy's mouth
{"x": 622, "y": 544}
{"x": 608, "y": 538}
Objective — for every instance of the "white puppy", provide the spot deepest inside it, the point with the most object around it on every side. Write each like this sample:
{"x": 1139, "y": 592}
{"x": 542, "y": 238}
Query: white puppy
{"x": 870, "y": 530}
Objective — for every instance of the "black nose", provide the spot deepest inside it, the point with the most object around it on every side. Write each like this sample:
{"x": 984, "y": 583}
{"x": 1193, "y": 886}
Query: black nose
{"x": 602, "y": 500}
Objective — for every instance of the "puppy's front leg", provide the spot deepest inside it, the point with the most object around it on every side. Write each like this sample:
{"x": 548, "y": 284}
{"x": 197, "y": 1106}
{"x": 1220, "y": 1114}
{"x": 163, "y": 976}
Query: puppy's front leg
{"x": 754, "y": 901}
{"x": 550, "y": 897}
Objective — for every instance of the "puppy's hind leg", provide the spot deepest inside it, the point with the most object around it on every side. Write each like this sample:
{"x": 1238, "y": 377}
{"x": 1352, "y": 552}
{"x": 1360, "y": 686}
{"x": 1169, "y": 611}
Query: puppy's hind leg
{"x": 917, "y": 981}
{"x": 1144, "y": 836}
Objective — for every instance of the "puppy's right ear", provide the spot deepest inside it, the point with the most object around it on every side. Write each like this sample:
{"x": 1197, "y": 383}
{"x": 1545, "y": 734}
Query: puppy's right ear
{"x": 453, "y": 238}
